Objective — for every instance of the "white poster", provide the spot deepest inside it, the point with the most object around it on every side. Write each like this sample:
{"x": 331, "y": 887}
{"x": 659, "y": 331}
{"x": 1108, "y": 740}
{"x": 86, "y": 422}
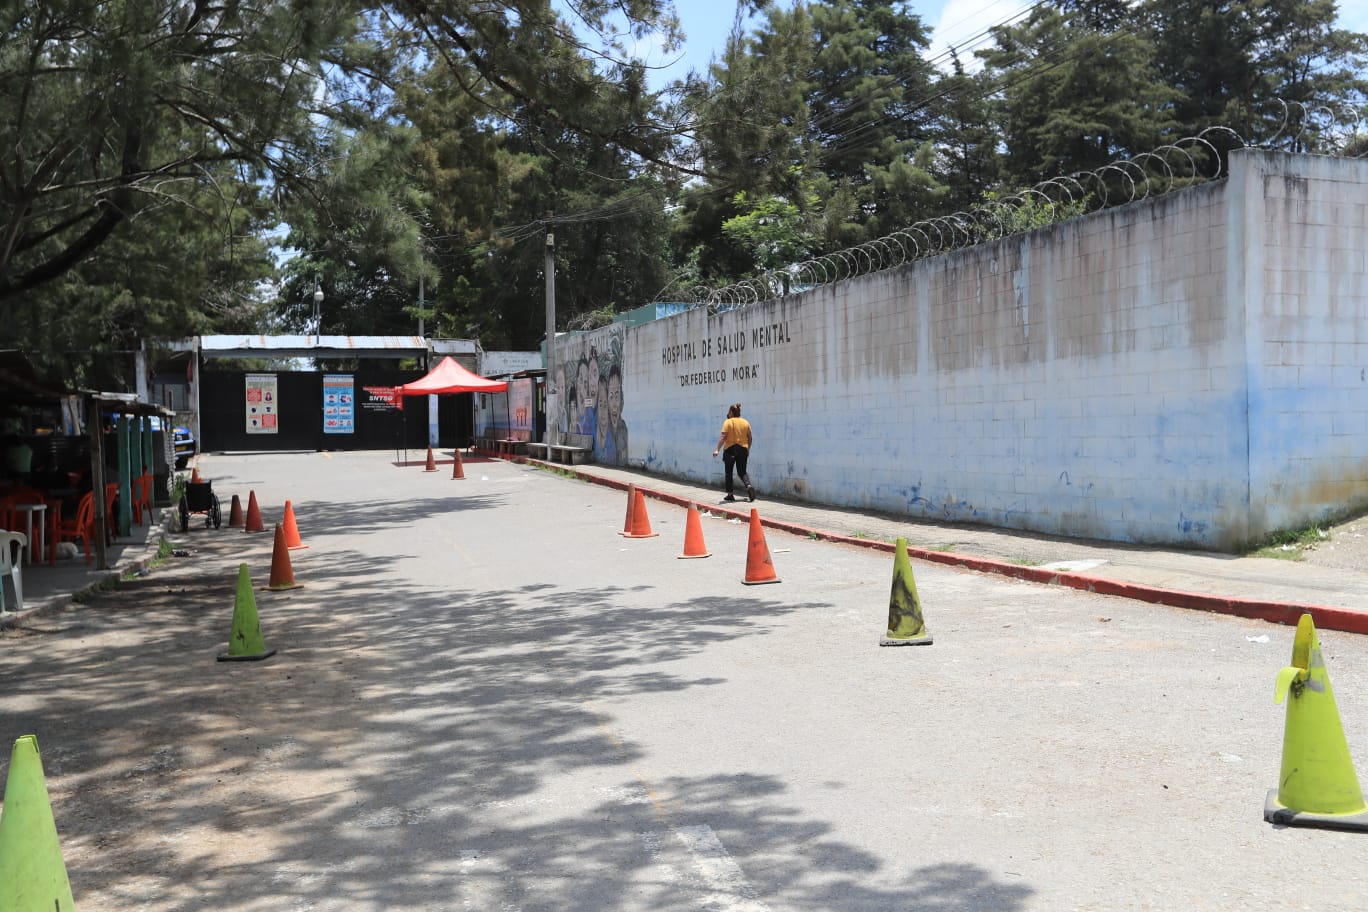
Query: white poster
{"x": 261, "y": 404}
{"x": 520, "y": 408}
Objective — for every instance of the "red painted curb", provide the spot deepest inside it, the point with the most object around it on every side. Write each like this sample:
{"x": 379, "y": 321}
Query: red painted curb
{"x": 1325, "y": 616}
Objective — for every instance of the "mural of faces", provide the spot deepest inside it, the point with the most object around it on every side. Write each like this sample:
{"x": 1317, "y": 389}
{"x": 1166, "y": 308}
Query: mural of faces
{"x": 615, "y": 397}
{"x": 601, "y": 431}
{"x": 573, "y": 409}
{"x": 582, "y": 382}
{"x": 591, "y": 389}
{"x": 562, "y": 392}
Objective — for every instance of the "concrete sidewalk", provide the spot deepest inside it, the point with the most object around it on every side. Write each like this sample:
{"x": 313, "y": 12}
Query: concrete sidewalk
{"x": 1255, "y": 587}
{"x": 48, "y": 586}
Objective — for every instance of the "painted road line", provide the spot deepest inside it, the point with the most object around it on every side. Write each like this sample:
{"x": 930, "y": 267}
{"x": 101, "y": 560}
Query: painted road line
{"x": 731, "y": 892}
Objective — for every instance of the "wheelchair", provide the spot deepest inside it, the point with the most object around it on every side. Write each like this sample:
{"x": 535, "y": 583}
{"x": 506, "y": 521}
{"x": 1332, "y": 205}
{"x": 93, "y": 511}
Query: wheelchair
{"x": 199, "y": 498}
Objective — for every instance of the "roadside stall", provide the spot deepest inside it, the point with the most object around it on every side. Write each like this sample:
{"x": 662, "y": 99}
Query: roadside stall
{"x": 76, "y": 466}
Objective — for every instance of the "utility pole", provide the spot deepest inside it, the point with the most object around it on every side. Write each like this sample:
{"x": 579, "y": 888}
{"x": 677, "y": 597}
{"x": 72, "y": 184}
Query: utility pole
{"x": 552, "y": 394}
{"x": 422, "y": 303}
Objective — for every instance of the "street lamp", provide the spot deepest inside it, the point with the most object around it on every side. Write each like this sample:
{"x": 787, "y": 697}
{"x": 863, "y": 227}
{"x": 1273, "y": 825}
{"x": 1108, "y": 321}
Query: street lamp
{"x": 318, "y": 308}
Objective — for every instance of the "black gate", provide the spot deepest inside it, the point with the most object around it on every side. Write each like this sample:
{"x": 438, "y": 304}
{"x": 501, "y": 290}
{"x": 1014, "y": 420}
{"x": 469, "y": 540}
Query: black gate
{"x": 351, "y": 411}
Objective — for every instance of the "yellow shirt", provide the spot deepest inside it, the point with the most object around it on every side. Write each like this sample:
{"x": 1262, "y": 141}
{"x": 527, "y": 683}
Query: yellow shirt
{"x": 734, "y": 431}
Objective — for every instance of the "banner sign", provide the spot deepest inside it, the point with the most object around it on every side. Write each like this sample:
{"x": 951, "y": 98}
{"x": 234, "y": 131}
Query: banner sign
{"x": 339, "y": 404}
{"x": 262, "y": 417}
{"x": 520, "y": 415}
{"x": 381, "y": 398}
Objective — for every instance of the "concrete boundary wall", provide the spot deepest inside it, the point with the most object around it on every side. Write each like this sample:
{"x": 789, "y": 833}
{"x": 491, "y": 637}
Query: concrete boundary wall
{"x": 1305, "y": 274}
{"x": 1189, "y": 369}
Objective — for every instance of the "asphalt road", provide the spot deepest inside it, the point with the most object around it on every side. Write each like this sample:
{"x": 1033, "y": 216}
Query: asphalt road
{"x": 485, "y": 698}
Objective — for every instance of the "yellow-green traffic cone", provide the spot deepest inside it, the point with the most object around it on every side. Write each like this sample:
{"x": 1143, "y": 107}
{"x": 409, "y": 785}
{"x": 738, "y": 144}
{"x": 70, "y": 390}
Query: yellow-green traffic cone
{"x": 1317, "y": 786}
{"x": 905, "y": 624}
{"x": 33, "y": 877}
{"x": 245, "y": 644}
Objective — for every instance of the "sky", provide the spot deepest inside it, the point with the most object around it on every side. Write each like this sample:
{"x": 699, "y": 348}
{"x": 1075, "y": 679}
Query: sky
{"x": 956, "y": 22}
{"x": 708, "y": 22}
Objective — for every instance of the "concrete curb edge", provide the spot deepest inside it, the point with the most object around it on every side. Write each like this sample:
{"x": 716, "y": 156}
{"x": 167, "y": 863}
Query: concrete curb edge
{"x": 137, "y": 565}
{"x": 1286, "y": 613}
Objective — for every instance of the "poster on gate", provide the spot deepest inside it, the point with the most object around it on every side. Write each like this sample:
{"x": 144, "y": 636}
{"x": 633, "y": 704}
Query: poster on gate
{"x": 382, "y": 399}
{"x": 262, "y": 402}
{"x": 339, "y": 404}
{"x": 520, "y": 413}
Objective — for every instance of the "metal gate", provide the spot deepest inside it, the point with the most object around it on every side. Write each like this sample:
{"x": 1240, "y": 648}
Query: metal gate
{"x": 314, "y": 410}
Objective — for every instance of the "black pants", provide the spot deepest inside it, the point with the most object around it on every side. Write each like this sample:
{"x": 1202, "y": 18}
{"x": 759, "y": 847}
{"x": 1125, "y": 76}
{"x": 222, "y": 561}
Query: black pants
{"x": 736, "y": 455}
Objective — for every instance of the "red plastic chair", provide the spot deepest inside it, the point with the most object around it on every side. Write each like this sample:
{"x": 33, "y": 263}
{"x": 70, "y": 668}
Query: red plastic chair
{"x": 142, "y": 499}
{"x": 111, "y": 518}
{"x": 81, "y": 527}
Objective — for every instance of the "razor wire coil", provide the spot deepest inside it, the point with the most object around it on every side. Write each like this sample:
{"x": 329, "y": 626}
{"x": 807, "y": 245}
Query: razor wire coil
{"x": 1172, "y": 166}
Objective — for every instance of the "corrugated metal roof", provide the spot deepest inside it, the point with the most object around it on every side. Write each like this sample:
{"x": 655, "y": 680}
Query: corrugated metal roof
{"x": 455, "y": 346}
{"x": 312, "y": 343}
{"x": 293, "y": 346}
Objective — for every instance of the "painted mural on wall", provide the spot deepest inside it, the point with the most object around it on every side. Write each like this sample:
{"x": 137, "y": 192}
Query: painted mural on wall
{"x": 589, "y": 376}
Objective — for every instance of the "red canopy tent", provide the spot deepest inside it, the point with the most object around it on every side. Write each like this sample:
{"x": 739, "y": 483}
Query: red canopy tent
{"x": 447, "y": 377}
{"x": 451, "y": 377}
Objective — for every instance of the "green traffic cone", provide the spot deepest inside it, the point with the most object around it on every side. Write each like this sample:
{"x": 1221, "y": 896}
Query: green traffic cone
{"x": 245, "y": 644}
{"x": 33, "y": 877}
{"x": 905, "y": 624}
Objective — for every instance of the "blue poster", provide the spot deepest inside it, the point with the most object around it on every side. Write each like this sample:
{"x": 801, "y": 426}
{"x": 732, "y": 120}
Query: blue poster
{"x": 339, "y": 404}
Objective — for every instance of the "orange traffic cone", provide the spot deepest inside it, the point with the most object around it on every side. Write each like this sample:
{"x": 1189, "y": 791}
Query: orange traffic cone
{"x": 292, "y": 540}
{"x": 641, "y": 521}
{"x": 282, "y": 574}
{"x": 693, "y": 535}
{"x": 759, "y": 567}
{"x": 235, "y": 520}
{"x": 631, "y": 508}
{"x": 457, "y": 470}
{"x": 194, "y": 475}
{"x": 431, "y": 462}
{"x": 253, "y": 522}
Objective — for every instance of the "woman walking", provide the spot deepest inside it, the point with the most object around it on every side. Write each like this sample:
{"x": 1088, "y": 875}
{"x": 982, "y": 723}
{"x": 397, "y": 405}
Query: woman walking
{"x": 734, "y": 445}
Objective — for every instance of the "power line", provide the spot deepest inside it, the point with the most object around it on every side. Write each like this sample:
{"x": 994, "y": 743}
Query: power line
{"x": 1045, "y": 60}
{"x": 620, "y": 208}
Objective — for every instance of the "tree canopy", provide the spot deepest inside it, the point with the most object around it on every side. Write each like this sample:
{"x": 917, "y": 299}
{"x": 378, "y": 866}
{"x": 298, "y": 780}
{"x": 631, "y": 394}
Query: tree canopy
{"x": 172, "y": 167}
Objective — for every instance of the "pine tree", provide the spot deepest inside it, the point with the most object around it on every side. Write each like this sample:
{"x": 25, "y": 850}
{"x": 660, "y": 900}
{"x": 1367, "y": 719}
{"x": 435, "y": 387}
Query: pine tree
{"x": 1072, "y": 97}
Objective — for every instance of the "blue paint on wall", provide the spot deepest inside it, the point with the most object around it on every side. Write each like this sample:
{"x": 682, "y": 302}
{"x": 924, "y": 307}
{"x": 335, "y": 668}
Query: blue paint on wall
{"x": 1151, "y": 426}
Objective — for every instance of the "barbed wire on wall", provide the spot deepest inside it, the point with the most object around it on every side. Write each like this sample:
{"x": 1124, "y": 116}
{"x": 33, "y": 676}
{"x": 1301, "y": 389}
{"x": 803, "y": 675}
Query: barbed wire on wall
{"x": 1174, "y": 166}
{"x": 1338, "y": 128}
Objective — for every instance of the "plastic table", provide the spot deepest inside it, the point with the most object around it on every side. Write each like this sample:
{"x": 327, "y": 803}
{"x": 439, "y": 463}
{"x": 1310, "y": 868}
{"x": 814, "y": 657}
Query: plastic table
{"x": 28, "y": 509}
